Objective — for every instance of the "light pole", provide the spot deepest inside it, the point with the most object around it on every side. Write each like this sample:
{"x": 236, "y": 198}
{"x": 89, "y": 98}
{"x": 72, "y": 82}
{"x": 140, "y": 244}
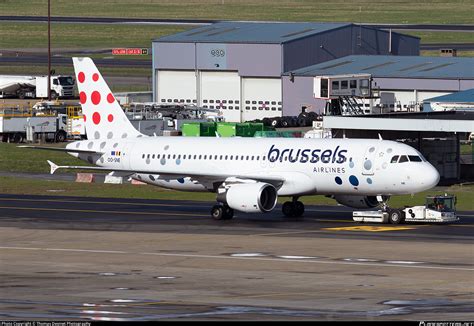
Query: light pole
{"x": 49, "y": 50}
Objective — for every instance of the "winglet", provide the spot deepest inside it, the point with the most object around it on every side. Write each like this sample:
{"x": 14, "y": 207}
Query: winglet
{"x": 53, "y": 166}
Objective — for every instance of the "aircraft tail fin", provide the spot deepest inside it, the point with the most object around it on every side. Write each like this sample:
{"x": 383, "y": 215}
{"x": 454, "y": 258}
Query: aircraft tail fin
{"x": 103, "y": 115}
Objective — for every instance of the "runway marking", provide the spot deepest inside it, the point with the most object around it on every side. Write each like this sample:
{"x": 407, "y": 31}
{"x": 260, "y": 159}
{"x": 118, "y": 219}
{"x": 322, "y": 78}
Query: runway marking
{"x": 331, "y": 220}
{"x": 90, "y": 202}
{"x": 370, "y": 228}
{"x": 264, "y": 259}
{"x": 99, "y": 211}
{"x": 285, "y": 233}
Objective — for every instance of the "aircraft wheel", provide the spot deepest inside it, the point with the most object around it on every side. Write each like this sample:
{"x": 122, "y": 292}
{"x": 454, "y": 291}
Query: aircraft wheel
{"x": 288, "y": 209}
{"x": 217, "y": 212}
{"x": 395, "y": 216}
{"x": 298, "y": 208}
{"x": 228, "y": 213}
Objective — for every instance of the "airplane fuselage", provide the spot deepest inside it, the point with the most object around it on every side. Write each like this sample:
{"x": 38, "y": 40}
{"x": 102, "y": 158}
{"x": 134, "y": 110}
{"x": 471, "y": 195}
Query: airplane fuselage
{"x": 309, "y": 166}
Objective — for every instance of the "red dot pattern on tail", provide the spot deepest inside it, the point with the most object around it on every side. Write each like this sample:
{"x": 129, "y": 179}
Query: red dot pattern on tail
{"x": 95, "y": 97}
{"x": 110, "y": 98}
{"x": 82, "y": 97}
{"x": 96, "y": 118}
{"x": 81, "y": 77}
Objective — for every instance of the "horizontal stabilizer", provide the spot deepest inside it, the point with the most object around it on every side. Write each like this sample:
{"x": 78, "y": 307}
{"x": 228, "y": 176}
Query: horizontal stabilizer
{"x": 53, "y": 166}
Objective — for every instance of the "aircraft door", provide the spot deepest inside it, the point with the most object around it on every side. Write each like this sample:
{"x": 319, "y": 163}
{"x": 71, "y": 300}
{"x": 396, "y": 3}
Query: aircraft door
{"x": 368, "y": 164}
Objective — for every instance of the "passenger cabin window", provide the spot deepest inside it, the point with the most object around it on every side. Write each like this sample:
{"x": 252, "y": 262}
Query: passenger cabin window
{"x": 403, "y": 159}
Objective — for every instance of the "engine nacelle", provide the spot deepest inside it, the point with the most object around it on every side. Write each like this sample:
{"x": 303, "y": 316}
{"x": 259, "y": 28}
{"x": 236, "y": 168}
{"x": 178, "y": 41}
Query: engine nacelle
{"x": 250, "y": 197}
{"x": 359, "y": 201}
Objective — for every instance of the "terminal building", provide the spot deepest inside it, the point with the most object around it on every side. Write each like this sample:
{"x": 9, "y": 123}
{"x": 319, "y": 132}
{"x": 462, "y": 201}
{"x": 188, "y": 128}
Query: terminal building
{"x": 238, "y": 67}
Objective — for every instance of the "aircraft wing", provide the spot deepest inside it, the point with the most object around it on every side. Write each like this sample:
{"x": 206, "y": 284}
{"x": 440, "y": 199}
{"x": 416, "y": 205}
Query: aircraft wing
{"x": 60, "y": 149}
{"x": 275, "y": 180}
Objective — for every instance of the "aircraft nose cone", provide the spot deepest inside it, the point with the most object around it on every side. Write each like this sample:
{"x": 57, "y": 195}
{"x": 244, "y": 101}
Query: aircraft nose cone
{"x": 429, "y": 176}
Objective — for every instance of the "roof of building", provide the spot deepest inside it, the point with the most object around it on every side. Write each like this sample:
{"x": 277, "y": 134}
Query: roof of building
{"x": 251, "y": 32}
{"x": 394, "y": 66}
{"x": 466, "y": 96}
{"x": 450, "y": 121}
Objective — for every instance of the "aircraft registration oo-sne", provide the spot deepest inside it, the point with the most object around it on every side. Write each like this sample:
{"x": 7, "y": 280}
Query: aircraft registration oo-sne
{"x": 247, "y": 174}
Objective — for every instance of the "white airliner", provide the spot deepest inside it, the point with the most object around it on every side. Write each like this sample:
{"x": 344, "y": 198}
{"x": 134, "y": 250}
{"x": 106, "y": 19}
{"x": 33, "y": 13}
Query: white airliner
{"x": 247, "y": 174}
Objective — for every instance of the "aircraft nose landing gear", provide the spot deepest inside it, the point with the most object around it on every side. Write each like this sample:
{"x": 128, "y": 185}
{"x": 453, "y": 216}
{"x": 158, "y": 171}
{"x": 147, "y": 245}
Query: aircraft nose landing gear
{"x": 293, "y": 208}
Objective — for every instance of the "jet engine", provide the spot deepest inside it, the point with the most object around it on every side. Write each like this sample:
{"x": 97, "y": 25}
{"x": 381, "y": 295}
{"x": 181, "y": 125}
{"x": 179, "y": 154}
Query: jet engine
{"x": 250, "y": 197}
{"x": 359, "y": 201}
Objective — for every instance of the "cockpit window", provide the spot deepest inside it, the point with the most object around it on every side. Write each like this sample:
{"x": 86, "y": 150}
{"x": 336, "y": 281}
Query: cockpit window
{"x": 414, "y": 158}
{"x": 394, "y": 159}
{"x": 403, "y": 159}
{"x": 422, "y": 157}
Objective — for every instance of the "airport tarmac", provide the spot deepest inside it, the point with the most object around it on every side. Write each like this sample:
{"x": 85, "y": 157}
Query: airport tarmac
{"x": 71, "y": 258}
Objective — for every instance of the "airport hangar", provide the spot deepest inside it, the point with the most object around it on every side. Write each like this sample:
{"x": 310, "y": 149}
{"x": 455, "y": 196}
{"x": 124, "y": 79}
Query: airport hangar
{"x": 238, "y": 66}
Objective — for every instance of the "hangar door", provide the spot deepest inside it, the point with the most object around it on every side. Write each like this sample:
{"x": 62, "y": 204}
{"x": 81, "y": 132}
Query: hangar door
{"x": 221, "y": 90}
{"x": 261, "y": 98}
{"x": 176, "y": 86}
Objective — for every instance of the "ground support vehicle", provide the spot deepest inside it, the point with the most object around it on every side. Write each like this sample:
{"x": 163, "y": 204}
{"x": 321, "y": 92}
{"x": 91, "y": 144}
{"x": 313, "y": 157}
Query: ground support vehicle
{"x": 36, "y": 86}
{"x": 18, "y": 129}
{"x": 437, "y": 209}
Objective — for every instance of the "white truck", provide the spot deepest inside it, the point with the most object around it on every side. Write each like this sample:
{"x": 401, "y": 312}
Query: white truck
{"x": 437, "y": 209}
{"x": 16, "y": 129}
{"x": 36, "y": 86}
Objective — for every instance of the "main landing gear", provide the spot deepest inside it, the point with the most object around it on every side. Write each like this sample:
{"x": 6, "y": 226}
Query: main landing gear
{"x": 293, "y": 208}
{"x": 222, "y": 212}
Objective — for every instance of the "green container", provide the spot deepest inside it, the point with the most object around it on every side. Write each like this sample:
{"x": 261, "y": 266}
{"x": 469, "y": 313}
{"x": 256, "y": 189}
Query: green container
{"x": 227, "y": 129}
{"x": 196, "y": 129}
{"x": 280, "y": 134}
